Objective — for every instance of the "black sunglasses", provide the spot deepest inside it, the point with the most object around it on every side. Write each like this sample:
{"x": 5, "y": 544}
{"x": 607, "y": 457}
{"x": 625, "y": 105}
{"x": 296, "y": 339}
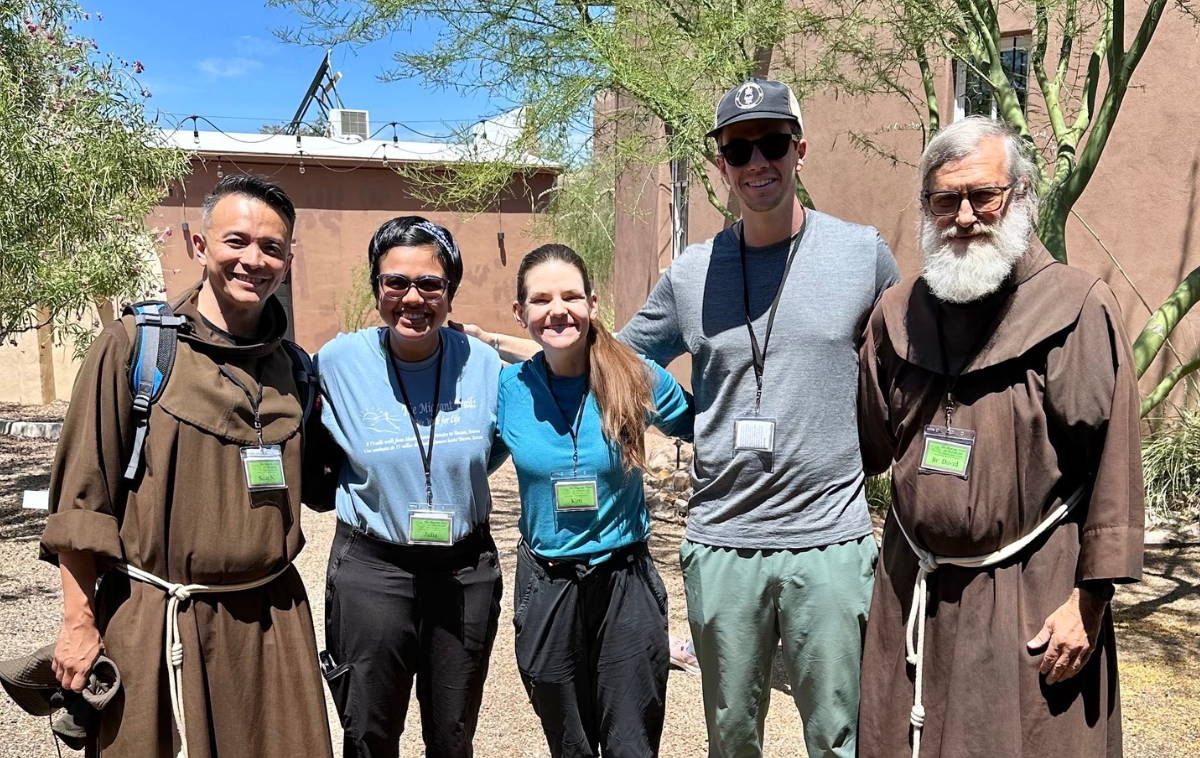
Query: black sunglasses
{"x": 738, "y": 152}
{"x": 396, "y": 286}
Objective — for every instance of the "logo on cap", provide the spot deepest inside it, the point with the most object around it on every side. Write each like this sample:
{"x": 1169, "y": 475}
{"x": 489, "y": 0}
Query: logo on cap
{"x": 748, "y": 95}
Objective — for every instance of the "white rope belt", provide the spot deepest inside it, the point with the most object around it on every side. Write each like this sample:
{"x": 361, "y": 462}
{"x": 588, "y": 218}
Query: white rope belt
{"x": 914, "y": 629}
{"x": 177, "y": 595}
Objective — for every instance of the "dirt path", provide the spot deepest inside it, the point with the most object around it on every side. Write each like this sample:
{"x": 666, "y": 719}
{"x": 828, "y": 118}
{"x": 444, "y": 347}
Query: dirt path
{"x": 1159, "y": 624}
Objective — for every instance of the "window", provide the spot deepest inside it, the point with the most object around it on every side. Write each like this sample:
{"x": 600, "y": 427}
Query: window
{"x": 973, "y": 96}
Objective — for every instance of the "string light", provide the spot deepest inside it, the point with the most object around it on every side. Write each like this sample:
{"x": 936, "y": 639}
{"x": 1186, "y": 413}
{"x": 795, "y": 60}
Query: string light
{"x": 220, "y": 170}
{"x": 195, "y": 132}
{"x": 302, "y": 165}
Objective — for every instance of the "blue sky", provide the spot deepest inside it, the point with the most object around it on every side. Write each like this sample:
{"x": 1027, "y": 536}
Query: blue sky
{"x": 220, "y": 59}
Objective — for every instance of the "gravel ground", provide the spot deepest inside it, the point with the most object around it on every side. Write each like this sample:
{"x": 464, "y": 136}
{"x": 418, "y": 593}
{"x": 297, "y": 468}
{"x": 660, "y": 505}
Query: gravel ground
{"x": 1159, "y": 628}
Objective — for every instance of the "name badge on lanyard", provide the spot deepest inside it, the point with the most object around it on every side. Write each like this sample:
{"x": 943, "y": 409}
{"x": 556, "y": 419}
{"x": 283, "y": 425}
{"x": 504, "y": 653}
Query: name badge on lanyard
{"x": 427, "y": 524}
{"x": 947, "y": 451}
{"x": 754, "y": 432}
{"x": 261, "y": 464}
{"x": 430, "y": 527}
{"x": 264, "y": 468}
{"x": 575, "y": 491}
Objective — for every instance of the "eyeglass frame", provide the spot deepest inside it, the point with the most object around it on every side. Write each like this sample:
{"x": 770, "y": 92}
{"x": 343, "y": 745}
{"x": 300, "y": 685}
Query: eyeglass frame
{"x": 793, "y": 138}
{"x": 389, "y": 293}
{"x": 966, "y": 195}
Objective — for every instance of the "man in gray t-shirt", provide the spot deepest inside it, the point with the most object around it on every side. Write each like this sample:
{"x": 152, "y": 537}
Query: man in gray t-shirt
{"x": 779, "y": 546}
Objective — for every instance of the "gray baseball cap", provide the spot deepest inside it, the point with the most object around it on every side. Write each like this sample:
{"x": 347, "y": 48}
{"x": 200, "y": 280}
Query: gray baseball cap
{"x": 756, "y": 99}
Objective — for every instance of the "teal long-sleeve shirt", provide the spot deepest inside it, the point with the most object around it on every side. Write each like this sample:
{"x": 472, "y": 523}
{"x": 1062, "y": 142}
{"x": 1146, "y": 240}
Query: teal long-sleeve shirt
{"x": 534, "y": 425}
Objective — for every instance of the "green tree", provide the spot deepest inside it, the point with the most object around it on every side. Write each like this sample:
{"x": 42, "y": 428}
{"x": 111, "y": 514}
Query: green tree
{"x": 671, "y": 58}
{"x": 1081, "y": 66}
{"x": 79, "y": 171}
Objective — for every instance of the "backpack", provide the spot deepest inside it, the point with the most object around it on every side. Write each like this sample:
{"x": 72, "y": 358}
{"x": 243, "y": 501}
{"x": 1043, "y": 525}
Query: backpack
{"x": 156, "y": 332}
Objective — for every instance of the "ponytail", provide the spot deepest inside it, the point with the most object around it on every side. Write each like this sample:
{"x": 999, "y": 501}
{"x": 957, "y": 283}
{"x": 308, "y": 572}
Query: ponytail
{"x": 619, "y": 380}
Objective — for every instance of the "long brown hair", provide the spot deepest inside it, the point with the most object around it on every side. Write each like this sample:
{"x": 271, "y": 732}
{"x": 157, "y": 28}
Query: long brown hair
{"x": 617, "y": 377}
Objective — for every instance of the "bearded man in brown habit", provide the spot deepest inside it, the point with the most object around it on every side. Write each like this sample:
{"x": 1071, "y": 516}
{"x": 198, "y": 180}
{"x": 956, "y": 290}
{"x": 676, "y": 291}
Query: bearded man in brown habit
{"x": 1000, "y": 388}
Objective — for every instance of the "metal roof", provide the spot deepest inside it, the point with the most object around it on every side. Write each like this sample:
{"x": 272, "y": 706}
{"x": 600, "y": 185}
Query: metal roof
{"x": 210, "y": 143}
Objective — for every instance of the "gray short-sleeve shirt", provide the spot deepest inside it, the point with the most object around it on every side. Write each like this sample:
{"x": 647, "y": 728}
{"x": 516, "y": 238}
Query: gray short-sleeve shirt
{"x": 810, "y": 493}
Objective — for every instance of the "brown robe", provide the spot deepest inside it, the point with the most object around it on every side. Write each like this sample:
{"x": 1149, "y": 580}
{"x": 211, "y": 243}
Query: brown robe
{"x": 1052, "y": 397}
{"x": 251, "y": 682}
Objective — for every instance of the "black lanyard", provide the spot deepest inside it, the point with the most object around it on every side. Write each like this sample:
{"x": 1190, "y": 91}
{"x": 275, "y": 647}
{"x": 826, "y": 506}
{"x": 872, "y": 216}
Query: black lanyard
{"x": 426, "y": 454}
{"x": 255, "y": 402}
{"x": 952, "y": 379}
{"x": 760, "y": 355}
{"x": 573, "y": 429}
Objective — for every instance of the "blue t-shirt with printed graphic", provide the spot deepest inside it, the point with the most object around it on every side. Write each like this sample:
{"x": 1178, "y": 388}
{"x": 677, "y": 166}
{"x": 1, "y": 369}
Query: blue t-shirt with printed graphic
{"x": 535, "y": 425}
{"x": 365, "y": 413}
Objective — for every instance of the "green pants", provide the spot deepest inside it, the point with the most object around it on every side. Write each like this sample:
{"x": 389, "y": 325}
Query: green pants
{"x": 743, "y": 603}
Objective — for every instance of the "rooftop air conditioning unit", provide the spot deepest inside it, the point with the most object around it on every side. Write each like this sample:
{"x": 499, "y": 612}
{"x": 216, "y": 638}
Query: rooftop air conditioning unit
{"x": 349, "y": 125}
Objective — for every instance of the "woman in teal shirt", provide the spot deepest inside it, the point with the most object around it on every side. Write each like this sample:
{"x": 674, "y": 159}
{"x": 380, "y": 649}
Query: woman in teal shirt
{"x": 591, "y": 610}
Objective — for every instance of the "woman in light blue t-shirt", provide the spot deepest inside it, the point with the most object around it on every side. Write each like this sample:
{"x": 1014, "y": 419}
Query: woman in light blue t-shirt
{"x": 413, "y": 586}
{"x": 591, "y": 610}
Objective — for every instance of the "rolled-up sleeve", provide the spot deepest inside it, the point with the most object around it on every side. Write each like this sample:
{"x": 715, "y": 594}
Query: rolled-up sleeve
{"x": 1092, "y": 396}
{"x": 87, "y": 495}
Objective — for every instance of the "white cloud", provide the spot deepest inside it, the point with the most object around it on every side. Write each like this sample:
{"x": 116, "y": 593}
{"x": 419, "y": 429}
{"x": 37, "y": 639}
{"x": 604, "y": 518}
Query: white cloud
{"x": 228, "y": 68}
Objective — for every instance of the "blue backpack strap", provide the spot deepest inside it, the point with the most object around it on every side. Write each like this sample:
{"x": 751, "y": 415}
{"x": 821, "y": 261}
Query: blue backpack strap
{"x": 156, "y": 330}
{"x": 306, "y": 378}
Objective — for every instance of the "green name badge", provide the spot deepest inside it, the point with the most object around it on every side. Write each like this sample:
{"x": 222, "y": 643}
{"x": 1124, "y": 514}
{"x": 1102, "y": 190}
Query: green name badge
{"x": 264, "y": 468}
{"x": 947, "y": 451}
{"x": 431, "y": 528}
{"x": 576, "y": 495}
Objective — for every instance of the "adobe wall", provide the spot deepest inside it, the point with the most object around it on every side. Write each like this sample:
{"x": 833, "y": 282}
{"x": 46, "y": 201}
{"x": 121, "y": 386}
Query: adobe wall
{"x": 1142, "y": 202}
{"x": 337, "y": 212}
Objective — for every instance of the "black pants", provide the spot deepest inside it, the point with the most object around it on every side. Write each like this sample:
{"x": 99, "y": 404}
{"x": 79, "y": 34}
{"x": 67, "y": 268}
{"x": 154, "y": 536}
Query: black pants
{"x": 395, "y": 612}
{"x": 593, "y": 652}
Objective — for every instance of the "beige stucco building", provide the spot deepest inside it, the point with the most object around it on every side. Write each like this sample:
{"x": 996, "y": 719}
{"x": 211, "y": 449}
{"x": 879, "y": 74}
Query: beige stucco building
{"x": 1142, "y": 203}
{"x": 343, "y": 191}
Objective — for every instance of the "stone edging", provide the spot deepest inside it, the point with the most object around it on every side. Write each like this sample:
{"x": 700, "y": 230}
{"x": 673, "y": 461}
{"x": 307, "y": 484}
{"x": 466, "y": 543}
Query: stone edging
{"x": 47, "y": 430}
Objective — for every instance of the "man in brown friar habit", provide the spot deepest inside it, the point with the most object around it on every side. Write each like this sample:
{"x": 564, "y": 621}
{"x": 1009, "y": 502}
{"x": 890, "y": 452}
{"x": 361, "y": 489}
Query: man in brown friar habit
{"x": 999, "y": 386}
{"x": 186, "y": 505}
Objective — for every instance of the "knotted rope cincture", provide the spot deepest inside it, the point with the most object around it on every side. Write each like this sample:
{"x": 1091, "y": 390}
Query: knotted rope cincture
{"x": 177, "y": 595}
{"x": 914, "y": 627}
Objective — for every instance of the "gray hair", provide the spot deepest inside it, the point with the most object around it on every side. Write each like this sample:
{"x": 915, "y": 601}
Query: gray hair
{"x": 962, "y": 138}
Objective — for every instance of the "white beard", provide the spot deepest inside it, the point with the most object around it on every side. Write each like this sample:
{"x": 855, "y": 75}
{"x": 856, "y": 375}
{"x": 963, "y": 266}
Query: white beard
{"x": 979, "y": 270}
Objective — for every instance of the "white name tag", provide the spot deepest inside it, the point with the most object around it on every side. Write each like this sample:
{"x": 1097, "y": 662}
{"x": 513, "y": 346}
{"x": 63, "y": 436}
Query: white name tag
{"x": 754, "y": 434}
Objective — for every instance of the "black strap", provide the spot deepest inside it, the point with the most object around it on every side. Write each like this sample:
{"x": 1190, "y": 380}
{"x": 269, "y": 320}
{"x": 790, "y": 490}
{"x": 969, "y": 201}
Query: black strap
{"x": 255, "y": 400}
{"x": 426, "y": 454}
{"x": 573, "y": 429}
{"x": 759, "y": 355}
{"x": 980, "y": 340}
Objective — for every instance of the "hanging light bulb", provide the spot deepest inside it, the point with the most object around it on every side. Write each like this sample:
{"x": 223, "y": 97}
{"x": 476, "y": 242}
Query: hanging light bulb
{"x": 220, "y": 170}
{"x": 385, "y": 160}
{"x": 195, "y": 132}
{"x": 302, "y": 166}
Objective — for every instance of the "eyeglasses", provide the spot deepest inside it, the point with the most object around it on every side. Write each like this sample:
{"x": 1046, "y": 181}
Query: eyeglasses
{"x": 773, "y": 146}
{"x": 396, "y": 286}
{"x": 982, "y": 200}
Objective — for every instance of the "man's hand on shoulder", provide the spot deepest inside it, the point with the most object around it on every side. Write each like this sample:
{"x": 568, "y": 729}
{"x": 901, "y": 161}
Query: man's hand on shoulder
{"x": 511, "y": 349}
{"x": 1069, "y": 636}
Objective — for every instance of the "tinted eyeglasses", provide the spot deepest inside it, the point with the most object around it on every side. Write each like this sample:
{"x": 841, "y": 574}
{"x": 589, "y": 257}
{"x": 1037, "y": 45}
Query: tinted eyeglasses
{"x": 738, "y": 152}
{"x": 982, "y": 200}
{"x": 396, "y": 286}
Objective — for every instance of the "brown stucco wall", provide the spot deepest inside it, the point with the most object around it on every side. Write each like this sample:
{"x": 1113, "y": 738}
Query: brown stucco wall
{"x": 338, "y": 209}
{"x": 1142, "y": 202}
